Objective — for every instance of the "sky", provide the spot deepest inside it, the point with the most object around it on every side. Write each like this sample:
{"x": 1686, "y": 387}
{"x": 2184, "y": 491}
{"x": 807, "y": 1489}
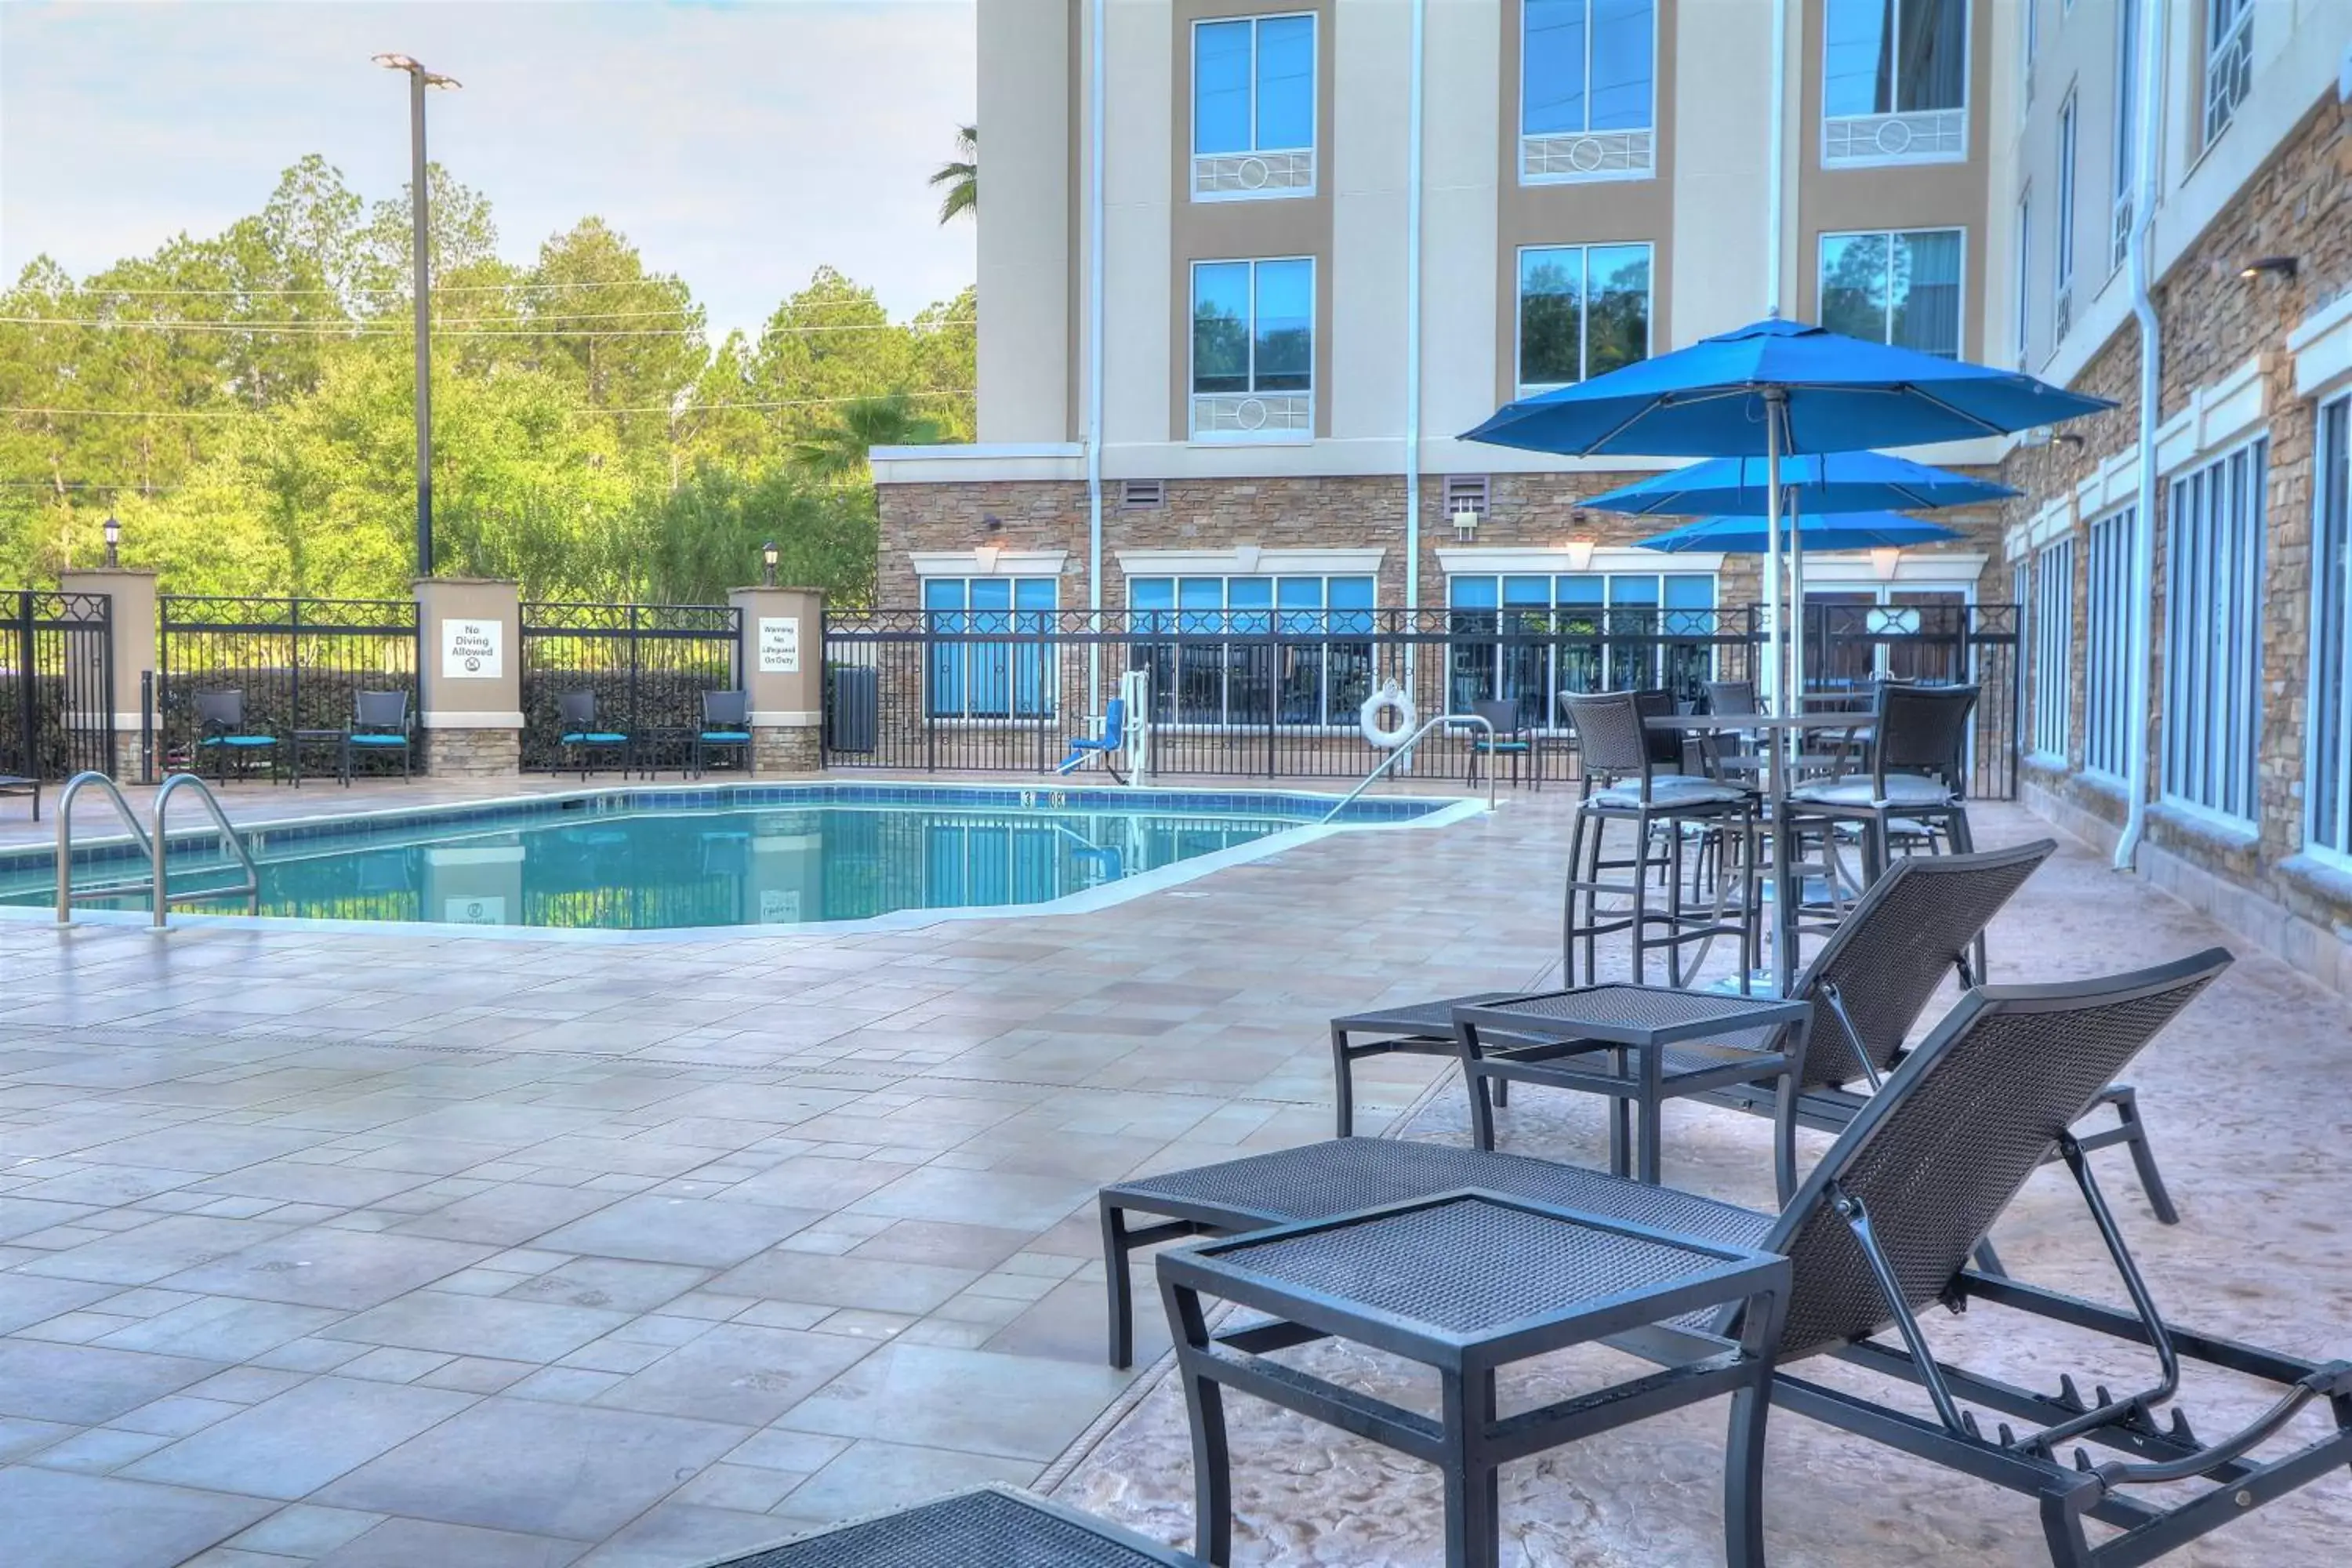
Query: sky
{"x": 739, "y": 143}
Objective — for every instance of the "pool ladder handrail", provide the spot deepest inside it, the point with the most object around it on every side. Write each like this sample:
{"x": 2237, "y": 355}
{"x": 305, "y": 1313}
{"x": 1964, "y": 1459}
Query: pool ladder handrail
{"x": 1406, "y": 750}
{"x": 151, "y": 845}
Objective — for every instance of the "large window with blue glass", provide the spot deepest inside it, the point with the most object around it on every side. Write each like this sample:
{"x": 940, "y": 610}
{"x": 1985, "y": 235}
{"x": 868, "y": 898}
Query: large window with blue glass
{"x": 1253, "y": 106}
{"x": 1529, "y": 638}
{"x": 1258, "y": 649}
{"x": 982, "y": 678}
{"x": 1587, "y": 65}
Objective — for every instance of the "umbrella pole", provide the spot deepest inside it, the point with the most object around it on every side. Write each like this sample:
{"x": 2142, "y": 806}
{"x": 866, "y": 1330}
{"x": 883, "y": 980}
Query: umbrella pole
{"x": 1771, "y": 558}
{"x": 1797, "y": 605}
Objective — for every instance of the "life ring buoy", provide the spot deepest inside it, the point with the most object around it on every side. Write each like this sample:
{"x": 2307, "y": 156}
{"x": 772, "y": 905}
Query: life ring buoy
{"x": 1390, "y": 697}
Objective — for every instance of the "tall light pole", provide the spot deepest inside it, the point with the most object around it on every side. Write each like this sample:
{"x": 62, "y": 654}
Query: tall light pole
{"x": 419, "y": 78}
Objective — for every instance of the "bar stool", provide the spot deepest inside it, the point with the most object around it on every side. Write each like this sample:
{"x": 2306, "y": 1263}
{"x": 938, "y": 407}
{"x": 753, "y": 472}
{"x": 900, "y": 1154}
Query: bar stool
{"x": 1624, "y": 784}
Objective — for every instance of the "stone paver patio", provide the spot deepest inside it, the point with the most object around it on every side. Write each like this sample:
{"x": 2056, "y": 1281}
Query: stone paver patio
{"x": 352, "y": 1250}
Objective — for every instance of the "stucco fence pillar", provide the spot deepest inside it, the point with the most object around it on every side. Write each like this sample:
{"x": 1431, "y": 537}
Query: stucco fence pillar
{"x": 470, "y": 677}
{"x": 784, "y": 674}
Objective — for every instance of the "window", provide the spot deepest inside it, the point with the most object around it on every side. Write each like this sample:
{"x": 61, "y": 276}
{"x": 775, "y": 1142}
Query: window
{"x": 1583, "y": 310}
{"x": 2212, "y": 641}
{"x": 2127, "y": 158}
{"x": 1587, "y": 104}
{"x": 1254, "y": 107}
{"x": 1253, "y": 350}
{"x": 2329, "y": 797}
{"x": 2024, "y": 282}
{"x": 2062, "y": 309}
{"x": 2029, "y": 43}
{"x": 981, "y": 679}
{"x": 2107, "y": 650}
{"x": 1901, "y": 287}
{"x": 1895, "y": 81}
{"x": 2229, "y": 61}
{"x": 2054, "y": 649}
{"x": 1530, "y": 638}
{"x": 1289, "y": 650}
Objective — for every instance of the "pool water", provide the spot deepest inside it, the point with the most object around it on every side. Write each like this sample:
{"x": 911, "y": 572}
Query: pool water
{"x": 641, "y": 861}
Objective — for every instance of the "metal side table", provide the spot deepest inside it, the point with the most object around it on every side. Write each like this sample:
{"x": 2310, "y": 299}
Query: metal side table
{"x": 1641, "y": 1045}
{"x": 1419, "y": 1028}
{"x": 988, "y": 1526}
{"x": 1467, "y": 1283}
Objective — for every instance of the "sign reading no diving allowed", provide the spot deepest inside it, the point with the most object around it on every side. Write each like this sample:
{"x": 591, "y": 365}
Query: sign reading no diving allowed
{"x": 473, "y": 650}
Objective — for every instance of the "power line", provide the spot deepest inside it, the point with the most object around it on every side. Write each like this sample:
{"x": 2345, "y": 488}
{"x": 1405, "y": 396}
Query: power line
{"x": 460, "y": 327}
{"x": 645, "y": 408}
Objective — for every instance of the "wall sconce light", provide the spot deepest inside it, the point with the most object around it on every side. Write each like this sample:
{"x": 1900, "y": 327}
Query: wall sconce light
{"x": 113, "y": 539}
{"x": 1580, "y": 554}
{"x": 1885, "y": 561}
{"x": 2285, "y": 266}
{"x": 991, "y": 523}
{"x": 1466, "y": 523}
{"x": 767, "y": 553}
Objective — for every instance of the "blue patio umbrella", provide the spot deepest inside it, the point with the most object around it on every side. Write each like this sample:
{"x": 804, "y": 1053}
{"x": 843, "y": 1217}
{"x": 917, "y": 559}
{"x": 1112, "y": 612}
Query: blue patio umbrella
{"x": 1819, "y": 531}
{"x": 1775, "y": 389}
{"x": 1811, "y": 482}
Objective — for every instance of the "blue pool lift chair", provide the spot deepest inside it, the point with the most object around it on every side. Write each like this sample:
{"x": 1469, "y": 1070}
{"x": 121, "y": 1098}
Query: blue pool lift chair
{"x": 726, "y": 726}
{"x": 379, "y": 727}
{"x": 220, "y": 730}
{"x": 582, "y": 739}
{"x": 1113, "y": 738}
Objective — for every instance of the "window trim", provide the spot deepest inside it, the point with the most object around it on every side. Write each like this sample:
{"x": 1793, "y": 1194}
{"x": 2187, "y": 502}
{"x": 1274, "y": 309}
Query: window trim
{"x": 1960, "y": 326}
{"x": 1314, "y": 111}
{"x": 2337, "y": 408}
{"x": 1526, "y": 388}
{"x": 2070, "y": 139}
{"x": 1882, "y": 160}
{"x": 1192, "y": 395}
{"x": 2054, "y": 634}
{"x": 2126, "y": 521}
{"x": 2196, "y": 736}
{"x": 1649, "y": 170}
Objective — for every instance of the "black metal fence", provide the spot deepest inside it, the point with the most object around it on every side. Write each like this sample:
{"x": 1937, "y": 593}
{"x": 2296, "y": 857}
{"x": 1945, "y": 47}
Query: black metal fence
{"x": 299, "y": 663}
{"x": 1278, "y": 695}
{"x": 56, "y": 684}
{"x": 647, "y": 665}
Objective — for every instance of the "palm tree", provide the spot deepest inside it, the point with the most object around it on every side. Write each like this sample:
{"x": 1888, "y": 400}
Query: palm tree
{"x": 961, "y": 177}
{"x": 838, "y": 450}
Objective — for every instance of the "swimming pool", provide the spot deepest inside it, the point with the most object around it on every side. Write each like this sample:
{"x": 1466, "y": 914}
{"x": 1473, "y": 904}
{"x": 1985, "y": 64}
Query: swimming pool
{"x": 652, "y": 860}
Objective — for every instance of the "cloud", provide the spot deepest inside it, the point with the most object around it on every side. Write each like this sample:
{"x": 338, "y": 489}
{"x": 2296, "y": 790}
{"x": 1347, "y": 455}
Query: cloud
{"x": 740, "y": 146}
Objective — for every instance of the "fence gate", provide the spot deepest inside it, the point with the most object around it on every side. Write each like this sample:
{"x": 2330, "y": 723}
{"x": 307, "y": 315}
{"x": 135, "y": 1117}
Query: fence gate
{"x": 299, "y": 664}
{"x": 56, "y": 684}
{"x": 647, "y": 665}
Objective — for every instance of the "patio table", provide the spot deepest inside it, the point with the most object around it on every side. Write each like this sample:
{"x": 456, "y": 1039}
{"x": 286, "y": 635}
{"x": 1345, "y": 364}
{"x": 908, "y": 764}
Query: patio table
{"x": 1785, "y": 891}
{"x": 1466, "y": 1283}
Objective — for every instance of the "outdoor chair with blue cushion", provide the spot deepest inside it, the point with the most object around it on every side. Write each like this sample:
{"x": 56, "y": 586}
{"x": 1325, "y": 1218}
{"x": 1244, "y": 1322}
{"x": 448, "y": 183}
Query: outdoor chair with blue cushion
{"x": 1105, "y": 746}
{"x": 726, "y": 727}
{"x": 379, "y": 728}
{"x": 582, "y": 739}
{"x": 222, "y": 731}
{"x": 1509, "y": 738}
{"x": 1882, "y": 1229}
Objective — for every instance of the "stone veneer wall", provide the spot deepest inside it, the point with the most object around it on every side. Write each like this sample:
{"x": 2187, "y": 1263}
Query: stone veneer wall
{"x": 780, "y": 749}
{"x": 472, "y": 753}
{"x": 2212, "y": 320}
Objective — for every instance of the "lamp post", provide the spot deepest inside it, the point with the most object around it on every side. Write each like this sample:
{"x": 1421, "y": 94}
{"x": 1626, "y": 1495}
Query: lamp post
{"x": 113, "y": 539}
{"x": 419, "y": 78}
{"x": 767, "y": 553}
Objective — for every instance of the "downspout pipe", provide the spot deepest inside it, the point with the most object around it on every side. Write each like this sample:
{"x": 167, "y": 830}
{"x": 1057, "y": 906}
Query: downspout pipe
{"x": 2143, "y": 674}
{"x": 1413, "y": 320}
{"x": 1777, "y": 151}
{"x": 1095, "y": 350}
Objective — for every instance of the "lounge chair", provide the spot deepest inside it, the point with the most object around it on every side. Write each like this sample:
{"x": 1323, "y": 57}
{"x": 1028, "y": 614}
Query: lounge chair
{"x": 379, "y": 727}
{"x": 1107, "y": 746}
{"x": 726, "y": 727}
{"x": 1869, "y": 985}
{"x": 220, "y": 730}
{"x": 582, "y": 738}
{"x": 988, "y": 1526}
{"x": 17, "y": 783}
{"x": 1881, "y": 1229}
